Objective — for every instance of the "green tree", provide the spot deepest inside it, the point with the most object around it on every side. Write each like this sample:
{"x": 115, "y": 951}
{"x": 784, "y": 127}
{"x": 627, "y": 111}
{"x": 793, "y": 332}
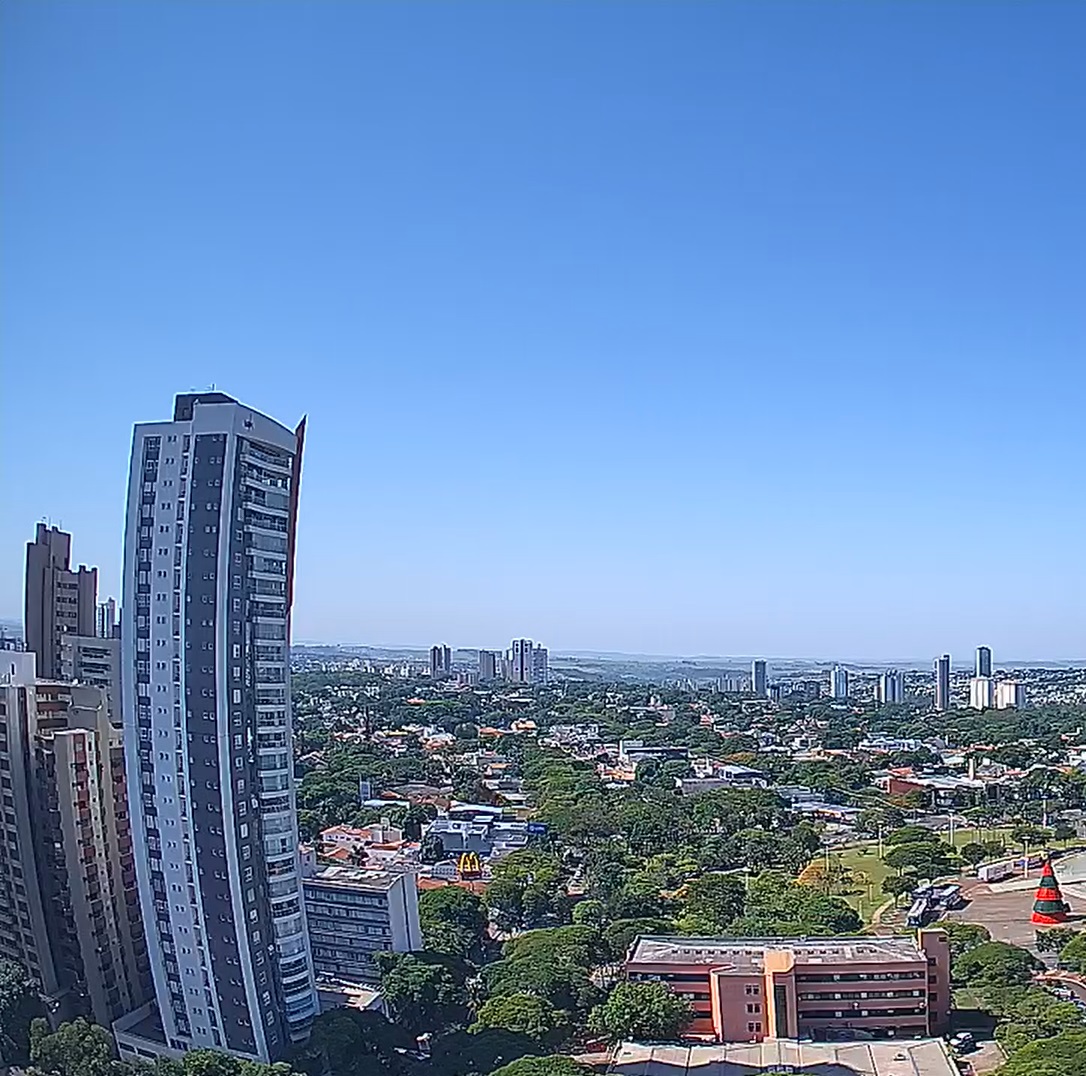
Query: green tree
{"x": 592, "y": 913}
{"x": 897, "y": 886}
{"x": 973, "y": 853}
{"x": 78, "y": 1048}
{"x": 643, "y": 1011}
{"x": 453, "y": 921}
{"x": 995, "y": 964}
{"x": 556, "y": 1065}
{"x": 1061, "y": 1055}
{"x": 711, "y": 904}
{"x": 925, "y": 859}
{"x": 962, "y": 937}
{"x": 620, "y": 935}
{"x": 425, "y": 991}
{"x": 349, "y": 1042}
{"x": 1055, "y": 939}
{"x": 525, "y": 1014}
{"x": 1073, "y": 954}
{"x": 911, "y": 835}
{"x": 19, "y": 1005}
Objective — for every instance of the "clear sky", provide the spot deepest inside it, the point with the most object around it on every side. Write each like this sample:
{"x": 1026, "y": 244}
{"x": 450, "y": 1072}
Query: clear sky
{"x": 721, "y": 328}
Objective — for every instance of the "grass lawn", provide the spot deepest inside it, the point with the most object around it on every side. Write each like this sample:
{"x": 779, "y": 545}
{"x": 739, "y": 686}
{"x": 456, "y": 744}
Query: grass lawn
{"x": 868, "y": 871}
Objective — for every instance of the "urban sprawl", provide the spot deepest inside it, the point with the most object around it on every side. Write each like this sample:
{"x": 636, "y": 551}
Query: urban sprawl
{"x": 223, "y": 855}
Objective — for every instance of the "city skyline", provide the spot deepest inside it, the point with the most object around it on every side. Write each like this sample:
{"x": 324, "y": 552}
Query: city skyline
{"x": 678, "y": 298}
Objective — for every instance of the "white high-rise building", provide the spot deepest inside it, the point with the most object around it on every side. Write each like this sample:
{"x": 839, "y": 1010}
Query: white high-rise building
{"x": 208, "y": 574}
{"x": 891, "y": 687}
{"x": 839, "y": 682}
{"x": 540, "y": 666}
{"x": 982, "y": 693}
{"x": 1010, "y": 695}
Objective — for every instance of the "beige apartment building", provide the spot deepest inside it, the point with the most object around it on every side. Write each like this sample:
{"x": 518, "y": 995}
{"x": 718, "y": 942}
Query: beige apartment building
{"x": 68, "y": 904}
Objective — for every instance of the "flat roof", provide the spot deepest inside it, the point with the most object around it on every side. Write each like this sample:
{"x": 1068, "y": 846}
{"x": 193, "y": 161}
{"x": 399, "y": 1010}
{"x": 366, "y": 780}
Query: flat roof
{"x": 343, "y": 877}
{"x": 905, "y": 1057}
{"x": 748, "y": 954}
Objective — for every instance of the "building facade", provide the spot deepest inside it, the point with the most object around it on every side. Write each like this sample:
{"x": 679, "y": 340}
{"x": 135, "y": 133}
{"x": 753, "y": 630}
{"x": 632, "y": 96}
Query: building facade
{"x": 208, "y": 578}
{"x": 1010, "y": 695}
{"x": 891, "y": 687}
{"x": 758, "y": 678}
{"x": 440, "y": 661}
{"x": 57, "y": 599}
{"x": 942, "y": 682}
{"x": 355, "y": 913}
{"x": 489, "y": 665}
{"x": 97, "y": 661}
{"x": 982, "y": 693}
{"x": 744, "y": 990}
{"x": 839, "y": 683}
{"x": 984, "y": 661}
{"x": 69, "y": 909}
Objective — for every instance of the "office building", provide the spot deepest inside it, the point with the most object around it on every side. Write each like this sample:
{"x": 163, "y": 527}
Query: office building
{"x": 748, "y": 989}
{"x": 757, "y": 678}
{"x": 489, "y": 665}
{"x": 68, "y": 904}
{"x": 354, "y": 913}
{"x": 205, "y": 678}
{"x": 1010, "y": 695}
{"x": 984, "y": 661}
{"x": 440, "y": 661}
{"x": 982, "y": 695}
{"x": 94, "y": 660}
{"x": 540, "y": 670}
{"x": 891, "y": 688}
{"x": 57, "y": 599}
{"x": 105, "y": 620}
{"x": 839, "y": 683}
{"x": 942, "y": 682}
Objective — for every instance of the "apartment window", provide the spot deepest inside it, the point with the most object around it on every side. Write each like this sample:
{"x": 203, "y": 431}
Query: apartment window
{"x": 754, "y": 1008}
{"x": 753, "y": 989}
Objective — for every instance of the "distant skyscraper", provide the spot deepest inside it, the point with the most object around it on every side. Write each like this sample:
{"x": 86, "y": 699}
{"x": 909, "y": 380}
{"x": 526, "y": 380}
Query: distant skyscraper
{"x": 540, "y": 670}
{"x": 520, "y": 661}
{"x": 984, "y": 661}
{"x": 1010, "y": 695}
{"x": 839, "y": 682}
{"x": 105, "y": 622}
{"x": 489, "y": 665}
{"x": 208, "y": 587}
{"x": 66, "y": 868}
{"x": 757, "y": 678}
{"x": 942, "y": 682}
{"x": 891, "y": 687}
{"x": 440, "y": 661}
{"x": 57, "y": 600}
{"x": 982, "y": 692}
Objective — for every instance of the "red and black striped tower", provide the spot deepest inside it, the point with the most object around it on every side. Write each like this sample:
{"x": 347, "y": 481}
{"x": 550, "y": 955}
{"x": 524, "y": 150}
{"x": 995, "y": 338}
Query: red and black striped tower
{"x": 1049, "y": 906}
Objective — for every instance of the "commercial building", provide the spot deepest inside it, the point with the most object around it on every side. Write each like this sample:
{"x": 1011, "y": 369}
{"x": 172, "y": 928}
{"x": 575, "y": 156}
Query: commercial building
{"x": 839, "y": 683}
{"x": 757, "y": 678}
{"x": 1010, "y": 695}
{"x": 440, "y": 661}
{"x": 353, "y": 914}
{"x": 982, "y": 693}
{"x": 94, "y": 660}
{"x": 489, "y": 665}
{"x": 69, "y": 910}
{"x": 745, "y": 990}
{"x": 57, "y": 599}
{"x": 208, "y": 586}
{"x": 984, "y": 661}
{"x": 890, "y": 688}
{"x": 942, "y": 682}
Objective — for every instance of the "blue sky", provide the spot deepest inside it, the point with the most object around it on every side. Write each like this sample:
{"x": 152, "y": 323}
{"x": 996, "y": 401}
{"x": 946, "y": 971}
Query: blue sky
{"x": 667, "y": 327}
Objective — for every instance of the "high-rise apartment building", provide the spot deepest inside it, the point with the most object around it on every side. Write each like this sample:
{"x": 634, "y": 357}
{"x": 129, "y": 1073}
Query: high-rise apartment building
{"x": 984, "y": 661}
{"x": 839, "y": 682}
{"x": 440, "y": 661}
{"x": 942, "y": 682}
{"x": 520, "y": 661}
{"x": 205, "y": 629}
{"x": 68, "y": 903}
{"x": 94, "y": 660}
{"x": 891, "y": 687}
{"x": 105, "y": 620}
{"x": 540, "y": 665}
{"x": 757, "y": 678}
{"x": 57, "y": 599}
{"x": 982, "y": 693}
{"x": 355, "y": 913}
{"x": 1010, "y": 695}
{"x": 489, "y": 665}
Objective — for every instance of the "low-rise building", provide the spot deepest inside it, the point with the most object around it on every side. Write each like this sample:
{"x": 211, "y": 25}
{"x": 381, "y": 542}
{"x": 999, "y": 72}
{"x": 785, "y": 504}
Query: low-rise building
{"x": 744, "y": 990}
{"x": 353, "y": 913}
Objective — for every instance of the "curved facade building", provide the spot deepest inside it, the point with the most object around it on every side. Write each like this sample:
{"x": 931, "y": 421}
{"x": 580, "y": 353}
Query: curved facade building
{"x": 208, "y": 572}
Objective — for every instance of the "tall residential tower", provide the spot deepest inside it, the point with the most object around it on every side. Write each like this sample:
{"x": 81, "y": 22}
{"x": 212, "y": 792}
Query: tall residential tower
{"x": 942, "y": 682}
{"x": 205, "y": 629}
